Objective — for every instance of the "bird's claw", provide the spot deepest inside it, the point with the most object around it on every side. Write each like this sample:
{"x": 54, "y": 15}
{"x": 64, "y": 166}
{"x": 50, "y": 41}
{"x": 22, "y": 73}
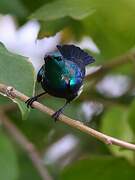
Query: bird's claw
{"x": 56, "y": 115}
{"x": 30, "y": 101}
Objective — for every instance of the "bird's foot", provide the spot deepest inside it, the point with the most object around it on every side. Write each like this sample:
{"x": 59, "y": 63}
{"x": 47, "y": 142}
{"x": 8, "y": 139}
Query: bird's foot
{"x": 56, "y": 115}
{"x": 30, "y": 101}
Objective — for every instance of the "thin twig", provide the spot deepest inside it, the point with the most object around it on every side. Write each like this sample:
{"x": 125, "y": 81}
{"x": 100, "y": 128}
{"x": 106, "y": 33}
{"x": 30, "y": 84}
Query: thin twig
{"x": 121, "y": 60}
{"x": 26, "y": 146}
{"x": 13, "y": 93}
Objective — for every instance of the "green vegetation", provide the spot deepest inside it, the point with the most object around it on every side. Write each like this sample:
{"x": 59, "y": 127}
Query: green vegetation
{"x": 110, "y": 24}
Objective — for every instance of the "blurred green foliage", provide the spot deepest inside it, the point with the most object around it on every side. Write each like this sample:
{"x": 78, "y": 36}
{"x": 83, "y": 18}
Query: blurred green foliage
{"x": 111, "y": 26}
{"x": 8, "y": 159}
{"x": 14, "y": 7}
{"x": 18, "y": 66}
{"x": 115, "y": 123}
{"x": 101, "y": 168}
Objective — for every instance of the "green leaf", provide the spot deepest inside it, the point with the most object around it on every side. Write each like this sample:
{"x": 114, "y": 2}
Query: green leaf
{"x": 33, "y": 5}
{"x": 99, "y": 168}
{"x": 112, "y": 26}
{"x": 115, "y": 123}
{"x": 75, "y": 9}
{"x": 8, "y": 159}
{"x": 14, "y": 7}
{"x": 17, "y": 71}
{"x": 4, "y": 100}
{"x": 49, "y": 28}
{"x": 56, "y": 15}
{"x": 131, "y": 116}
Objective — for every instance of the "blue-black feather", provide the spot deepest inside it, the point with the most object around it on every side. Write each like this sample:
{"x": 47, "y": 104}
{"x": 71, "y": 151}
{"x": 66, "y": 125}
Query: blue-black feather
{"x": 40, "y": 74}
{"x": 74, "y": 53}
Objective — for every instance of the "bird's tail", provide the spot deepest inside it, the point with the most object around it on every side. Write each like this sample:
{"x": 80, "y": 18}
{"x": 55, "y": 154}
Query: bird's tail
{"x": 72, "y": 51}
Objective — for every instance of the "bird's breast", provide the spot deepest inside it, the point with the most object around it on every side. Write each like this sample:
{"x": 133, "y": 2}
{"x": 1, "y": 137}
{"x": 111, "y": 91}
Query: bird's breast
{"x": 64, "y": 83}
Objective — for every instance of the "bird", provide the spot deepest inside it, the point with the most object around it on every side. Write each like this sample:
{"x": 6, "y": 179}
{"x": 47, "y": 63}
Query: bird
{"x": 62, "y": 74}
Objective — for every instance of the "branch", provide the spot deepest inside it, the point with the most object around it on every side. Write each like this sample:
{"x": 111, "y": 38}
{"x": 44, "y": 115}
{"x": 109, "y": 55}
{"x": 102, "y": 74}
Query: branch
{"x": 121, "y": 60}
{"x": 13, "y": 93}
{"x": 26, "y": 146}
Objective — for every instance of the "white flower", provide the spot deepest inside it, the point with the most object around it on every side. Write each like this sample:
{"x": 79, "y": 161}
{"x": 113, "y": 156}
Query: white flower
{"x": 24, "y": 41}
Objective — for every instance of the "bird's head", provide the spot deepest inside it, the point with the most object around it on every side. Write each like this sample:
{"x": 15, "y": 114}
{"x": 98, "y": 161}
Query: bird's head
{"x": 47, "y": 58}
{"x": 56, "y": 56}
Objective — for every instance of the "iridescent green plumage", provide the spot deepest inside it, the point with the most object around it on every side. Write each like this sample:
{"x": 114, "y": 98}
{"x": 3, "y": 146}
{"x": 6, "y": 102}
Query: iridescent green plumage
{"x": 61, "y": 78}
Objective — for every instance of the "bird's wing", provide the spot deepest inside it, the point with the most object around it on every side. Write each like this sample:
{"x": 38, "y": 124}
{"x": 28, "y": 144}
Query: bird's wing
{"x": 75, "y": 54}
